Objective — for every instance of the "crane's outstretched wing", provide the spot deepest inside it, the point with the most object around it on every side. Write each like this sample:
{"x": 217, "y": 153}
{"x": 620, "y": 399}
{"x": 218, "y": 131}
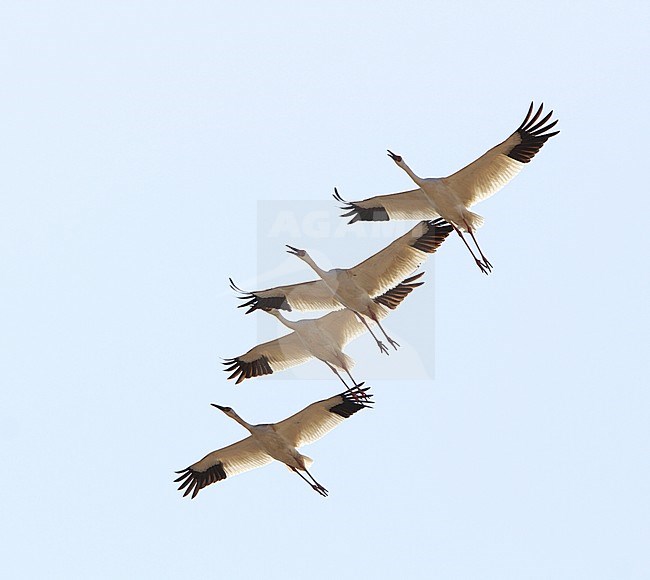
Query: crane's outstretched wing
{"x": 344, "y": 326}
{"x": 406, "y": 205}
{"x": 236, "y": 458}
{"x": 475, "y": 182}
{"x": 494, "y": 169}
{"x": 376, "y": 274}
{"x": 389, "y": 266}
{"x": 289, "y": 350}
{"x": 313, "y": 295}
{"x": 317, "y": 419}
{"x": 276, "y": 355}
{"x": 393, "y": 298}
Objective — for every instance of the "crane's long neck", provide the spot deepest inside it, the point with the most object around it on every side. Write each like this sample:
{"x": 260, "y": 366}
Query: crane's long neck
{"x": 418, "y": 180}
{"x": 321, "y": 273}
{"x": 239, "y": 420}
{"x": 283, "y": 320}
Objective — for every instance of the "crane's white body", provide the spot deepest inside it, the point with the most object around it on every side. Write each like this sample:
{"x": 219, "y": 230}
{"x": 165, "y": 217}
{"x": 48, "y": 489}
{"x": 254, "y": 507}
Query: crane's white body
{"x": 347, "y": 288}
{"x": 278, "y": 447}
{"x": 323, "y": 338}
{"x": 357, "y": 287}
{"x": 279, "y": 441}
{"x": 441, "y": 199}
{"x": 451, "y": 197}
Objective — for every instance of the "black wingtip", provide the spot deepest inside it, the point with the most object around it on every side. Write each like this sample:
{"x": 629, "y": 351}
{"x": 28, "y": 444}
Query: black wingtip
{"x": 533, "y": 134}
{"x": 195, "y": 481}
{"x": 393, "y": 298}
{"x": 255, "y": 302}
{"x": 353, "y": 401}
{"x": 373, "y": 214}
{"x": 242, "y": 294}
{"x": 242, "y": 370}
{"x": 436, "y": 233}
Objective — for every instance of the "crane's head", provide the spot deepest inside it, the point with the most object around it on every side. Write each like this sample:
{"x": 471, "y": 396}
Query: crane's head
{"x": 396, "y": 158}
{"x": 296, "y": 252}
{"x": 227, "y": 410}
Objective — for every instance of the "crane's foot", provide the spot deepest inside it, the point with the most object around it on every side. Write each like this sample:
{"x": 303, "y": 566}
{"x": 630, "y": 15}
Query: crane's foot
{"x": 483, "y": 267}
{"x": 382, "y": 347}
{"x": 486, "y": 263}
{"x": 320, "y": 489}
{"x": 393, "y": 343}
{"x": 359, "y": 396}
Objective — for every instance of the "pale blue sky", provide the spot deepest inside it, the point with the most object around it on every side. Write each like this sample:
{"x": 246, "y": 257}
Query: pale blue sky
{"x": 138, "y": 139}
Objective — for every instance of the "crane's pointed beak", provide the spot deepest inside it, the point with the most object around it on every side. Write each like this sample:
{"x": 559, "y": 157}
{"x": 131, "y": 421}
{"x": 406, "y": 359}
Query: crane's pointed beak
{"x": 393, "y": 156}
{"x": 219, "y": 407}
{"x": 294, "y": 251}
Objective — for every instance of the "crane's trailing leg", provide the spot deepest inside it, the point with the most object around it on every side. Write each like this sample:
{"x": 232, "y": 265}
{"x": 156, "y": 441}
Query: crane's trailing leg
{"x": 355, "y": 391}
{"x": 486, "y": 263}
{"x": 336, "y": 372}
{"x": 480, "y": 264}
{"x": 318, "y": 487}
{"x": 392, "y": 342}
{"x": 380, "y": 344}
{"x": 356, "y": 385}
{"x": 315, "y": 486}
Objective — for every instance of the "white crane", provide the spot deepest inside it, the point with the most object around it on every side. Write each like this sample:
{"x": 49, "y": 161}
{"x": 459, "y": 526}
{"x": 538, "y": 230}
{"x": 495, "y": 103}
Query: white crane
{"x": 354, "y": 288}
{"x": 450, "y": 197}
{"x": 322, "y": 338}
{"x": 273, "y": 441}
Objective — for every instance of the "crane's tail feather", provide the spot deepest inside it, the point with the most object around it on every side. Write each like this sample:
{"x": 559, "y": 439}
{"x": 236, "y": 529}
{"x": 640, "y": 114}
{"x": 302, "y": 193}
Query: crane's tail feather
{"x": 473, "y": 221}
{"x": 349, "y": 361}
